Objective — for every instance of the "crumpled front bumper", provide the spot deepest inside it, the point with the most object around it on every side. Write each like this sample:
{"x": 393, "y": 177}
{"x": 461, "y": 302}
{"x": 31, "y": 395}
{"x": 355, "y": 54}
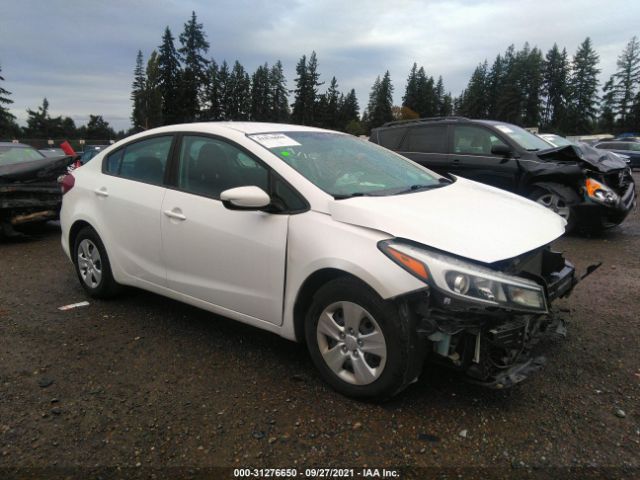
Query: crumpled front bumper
{"x": 492, "y": 346}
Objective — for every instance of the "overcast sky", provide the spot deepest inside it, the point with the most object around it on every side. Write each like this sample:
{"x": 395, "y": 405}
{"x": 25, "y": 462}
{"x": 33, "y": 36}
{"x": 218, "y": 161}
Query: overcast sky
{"x": 80, "y": 54}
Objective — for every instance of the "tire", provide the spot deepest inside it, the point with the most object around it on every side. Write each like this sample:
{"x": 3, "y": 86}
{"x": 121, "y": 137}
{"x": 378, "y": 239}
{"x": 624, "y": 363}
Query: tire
{"x": 556, "y": 203}
{"x": 363, "y": 346}
{"x": 92, "y": 265}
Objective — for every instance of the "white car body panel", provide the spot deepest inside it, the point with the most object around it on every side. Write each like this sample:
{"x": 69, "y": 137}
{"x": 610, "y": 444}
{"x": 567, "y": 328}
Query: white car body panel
{"x": 250, "y": 265}
{"x": 235, "y": 259}
{"x": 465, "y": 218}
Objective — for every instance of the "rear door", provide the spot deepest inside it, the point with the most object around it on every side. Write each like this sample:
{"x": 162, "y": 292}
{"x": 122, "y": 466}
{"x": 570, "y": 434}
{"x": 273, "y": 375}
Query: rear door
{"x": 229, "y": 258}
{"x": 130, "y": 196}
{"x": 471, "y": 153}
{"x": 427, "y": 145}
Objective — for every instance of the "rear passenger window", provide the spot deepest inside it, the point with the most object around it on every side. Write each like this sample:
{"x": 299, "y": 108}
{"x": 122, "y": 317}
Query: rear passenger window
{"x": 430, "y": 139}
{"x": 391, "y": 137}
{"x": 144, "y": 161}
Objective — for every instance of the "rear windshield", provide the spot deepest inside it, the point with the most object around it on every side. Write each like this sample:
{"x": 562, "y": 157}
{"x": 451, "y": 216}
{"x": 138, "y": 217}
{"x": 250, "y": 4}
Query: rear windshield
{"x": 10, "y": 155}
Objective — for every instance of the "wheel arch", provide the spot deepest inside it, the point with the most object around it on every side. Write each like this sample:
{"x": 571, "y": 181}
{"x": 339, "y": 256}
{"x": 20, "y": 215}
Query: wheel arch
{"x": 308, "y": 289}
{"x": 75, "y": 229}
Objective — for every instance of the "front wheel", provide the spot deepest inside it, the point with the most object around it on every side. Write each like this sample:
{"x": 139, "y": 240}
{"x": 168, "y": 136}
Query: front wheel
{"x": 556, "y": 203}
{"x": 361, "y": 345}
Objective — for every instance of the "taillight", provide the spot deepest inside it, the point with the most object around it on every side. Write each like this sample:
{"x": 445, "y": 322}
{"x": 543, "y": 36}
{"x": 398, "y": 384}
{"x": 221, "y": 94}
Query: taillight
{"x": 67, "y": 183}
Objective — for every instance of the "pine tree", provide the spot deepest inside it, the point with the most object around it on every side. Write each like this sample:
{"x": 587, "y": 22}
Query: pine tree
{"x": 139, "y": 114}
{"x": 153, "y": 93}
{"x": 306, "y": 91}
{"x": 532, "y": 86}
{"x": 380, "y": 101}
{"x": 194, "y": 76}
{"x": 495, "y": 80}
{"x": 331, "y": 111}
{"x": 509, "y": 103}
{"x": 607, "y": 120}
{"x": 169, "y": 74}
{"x": 279, "y": 111}
{"x": 349, "y": 110}
{"x": 411, "y": 94}
{"x": 213, "y": 106}
{"x": 8, "y": 125}
{"x": 626, "y": 82}
{"x": 474, "y": 101}
{"x": 300, "y": 110}
{"x": 260, "y": 94}
{"x": 239, "y": 88}
{"x": 447, "y": 106}
{"x": 224, "y": 89}
{"x": 439, "y": 96}
{"x": 425, "y": 105}
{"x": 555, "y": 84}
{"x": 583, "y": 89}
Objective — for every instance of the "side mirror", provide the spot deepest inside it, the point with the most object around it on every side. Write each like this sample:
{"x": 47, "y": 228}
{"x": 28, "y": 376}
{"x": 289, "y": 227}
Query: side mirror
{"x": 245, "y": 198}
{"x": 500, "y": 149}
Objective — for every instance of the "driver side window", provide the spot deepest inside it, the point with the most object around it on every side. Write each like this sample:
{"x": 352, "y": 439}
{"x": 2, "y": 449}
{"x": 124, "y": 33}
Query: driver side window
{"x": 209, "y": 166}
{"x": 474, "y": 140}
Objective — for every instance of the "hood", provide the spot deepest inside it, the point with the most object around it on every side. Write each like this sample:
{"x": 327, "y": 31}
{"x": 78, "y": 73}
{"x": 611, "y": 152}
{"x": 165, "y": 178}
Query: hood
{"x": 465, "y": 218}
{"x": 600, "y": 160}
{"x": 44, "y": 170}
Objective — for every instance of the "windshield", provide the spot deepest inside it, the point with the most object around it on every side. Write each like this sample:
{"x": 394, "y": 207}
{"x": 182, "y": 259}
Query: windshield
{"x": 525, "y": 139}
{"x": 557, "y": 140}
{"x": 10, "y": 155}
{"x": 346, "y": 166}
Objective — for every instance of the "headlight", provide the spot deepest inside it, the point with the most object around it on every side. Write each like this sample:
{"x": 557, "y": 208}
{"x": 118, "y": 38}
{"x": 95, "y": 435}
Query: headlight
{"x": 599, "y": 192}
{"x": 466, "y": 280}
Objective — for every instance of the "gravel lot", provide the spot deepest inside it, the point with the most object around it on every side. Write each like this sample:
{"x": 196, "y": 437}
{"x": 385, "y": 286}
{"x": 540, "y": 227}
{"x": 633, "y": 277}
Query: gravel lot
{"x": 146, "y": 382}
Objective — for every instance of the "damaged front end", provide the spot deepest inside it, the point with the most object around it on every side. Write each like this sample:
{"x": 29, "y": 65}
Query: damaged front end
{"x": 597, "y": 185}
{"x": 484, "y": 320}
{"x": 30, "y": 193}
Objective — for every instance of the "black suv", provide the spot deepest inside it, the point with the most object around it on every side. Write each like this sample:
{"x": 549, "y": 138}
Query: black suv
{"x": 592, "y": 189}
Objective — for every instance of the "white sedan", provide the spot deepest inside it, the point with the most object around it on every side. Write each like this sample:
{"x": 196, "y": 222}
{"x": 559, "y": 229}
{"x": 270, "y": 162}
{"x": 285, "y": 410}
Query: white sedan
{"x": 370, "y": 259}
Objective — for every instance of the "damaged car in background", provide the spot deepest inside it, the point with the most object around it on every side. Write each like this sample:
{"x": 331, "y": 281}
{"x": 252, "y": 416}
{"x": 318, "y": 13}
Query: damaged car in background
{"x": 29, "y": 189}
{"x": 591, "y": 189}
{"x": 374, "y": 262}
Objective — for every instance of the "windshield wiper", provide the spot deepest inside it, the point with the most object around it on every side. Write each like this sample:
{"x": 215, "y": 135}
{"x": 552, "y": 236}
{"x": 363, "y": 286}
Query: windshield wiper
{"x": 351, "y": 195}
{"x": 414, "y": 188}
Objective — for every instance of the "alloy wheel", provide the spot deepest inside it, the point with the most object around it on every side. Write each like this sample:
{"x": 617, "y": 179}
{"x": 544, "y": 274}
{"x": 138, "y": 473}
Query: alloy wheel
{"x": 89, "y": 263}
{"x": 351, "y": 343}
{"x": 556, "y": 203}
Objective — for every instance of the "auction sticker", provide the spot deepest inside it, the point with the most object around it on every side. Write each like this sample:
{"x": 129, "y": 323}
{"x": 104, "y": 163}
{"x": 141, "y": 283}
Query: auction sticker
{"x": 273, "y": 140}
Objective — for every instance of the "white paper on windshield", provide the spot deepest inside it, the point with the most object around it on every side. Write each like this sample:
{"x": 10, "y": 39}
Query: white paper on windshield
{"x": 504, "y": 129}
{"x": 273, "y": 140}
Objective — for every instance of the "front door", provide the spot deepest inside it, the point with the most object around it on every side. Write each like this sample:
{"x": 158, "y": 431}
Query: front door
{"x": 471, "y": 152}
{"x": 229, "y": 258}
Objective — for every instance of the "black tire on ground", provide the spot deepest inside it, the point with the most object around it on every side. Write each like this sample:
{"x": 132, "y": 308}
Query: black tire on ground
{"x": 405, "y": 353}
{"x": 537, "y": 193}
{"x": 106, "y": 287}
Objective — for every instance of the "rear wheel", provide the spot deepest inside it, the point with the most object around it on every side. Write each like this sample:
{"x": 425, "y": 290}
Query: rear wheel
{"x": 362, "y": 346}
{"x": 92, "y": 265}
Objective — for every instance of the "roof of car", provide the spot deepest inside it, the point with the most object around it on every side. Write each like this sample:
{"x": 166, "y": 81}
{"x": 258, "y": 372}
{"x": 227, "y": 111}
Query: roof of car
{"x": 451, "y": 118}
{"x": 11, "y": 144}
{"x": 243, "y": 127}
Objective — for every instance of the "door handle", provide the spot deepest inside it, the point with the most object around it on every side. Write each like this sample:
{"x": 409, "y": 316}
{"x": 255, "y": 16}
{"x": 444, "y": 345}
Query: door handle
{"x": 175, "y": 213}
{"x": 101, "y": 192}
{"x": 455, "y": 160}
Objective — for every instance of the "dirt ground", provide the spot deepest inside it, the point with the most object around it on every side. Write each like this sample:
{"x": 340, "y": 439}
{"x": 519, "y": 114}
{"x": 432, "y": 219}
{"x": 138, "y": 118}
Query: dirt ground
{"x": 153, "y": 386}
